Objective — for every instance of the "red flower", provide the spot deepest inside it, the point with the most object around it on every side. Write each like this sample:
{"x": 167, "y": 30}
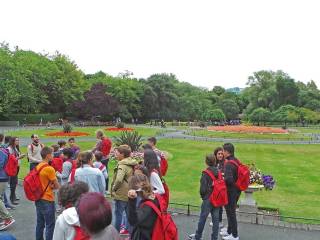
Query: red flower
{"x": 63, "y": 134}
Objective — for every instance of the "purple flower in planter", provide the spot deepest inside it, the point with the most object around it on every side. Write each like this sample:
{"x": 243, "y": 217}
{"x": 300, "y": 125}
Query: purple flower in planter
{"x": 268, "y": 182}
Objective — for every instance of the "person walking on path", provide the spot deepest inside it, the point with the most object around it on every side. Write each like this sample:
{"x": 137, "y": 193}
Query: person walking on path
{"x": 206, "y": 206}
{"x": 5, "y": 216}
{"x": 88, "y": 174}
{"x": 231, "y": 176}
{"x": 13, "y": 149}
{"x": 119, "y": 187}
{"x": 34, "y": 151}
{"x": 45, "y": 207}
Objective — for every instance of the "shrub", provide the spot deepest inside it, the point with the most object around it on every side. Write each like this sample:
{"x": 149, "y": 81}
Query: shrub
{"x": 132, "y": 139}
{"x": 120, "y": 125}
{"x": 67, "y": 128}
{"x": 34, "y": 118}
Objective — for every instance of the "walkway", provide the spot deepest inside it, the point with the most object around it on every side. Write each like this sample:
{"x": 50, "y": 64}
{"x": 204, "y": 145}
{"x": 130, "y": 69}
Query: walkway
{"x": 25, "y": 217}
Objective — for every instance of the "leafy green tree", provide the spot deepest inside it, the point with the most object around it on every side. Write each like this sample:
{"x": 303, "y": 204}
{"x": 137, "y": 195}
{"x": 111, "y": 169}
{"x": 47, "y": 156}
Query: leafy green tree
{"x": 260, "y": 115}
{"x": 229, "y": 108}
{"x": 287, "y": 90}
{"x": 214, "y": 115}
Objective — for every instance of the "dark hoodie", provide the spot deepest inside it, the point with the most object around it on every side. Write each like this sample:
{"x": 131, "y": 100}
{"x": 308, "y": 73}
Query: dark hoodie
{"x": 206, "y": 183}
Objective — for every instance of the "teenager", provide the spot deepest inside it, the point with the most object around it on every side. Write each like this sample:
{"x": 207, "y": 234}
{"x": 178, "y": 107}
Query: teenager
{"x": 62, "y": 145}
{"x": 218, "y": 153}
{"x": 142, "y": 217}
{"x": 231, "y": 176}
{"x": 88, "y": 174}
{"x": 95, "y": 217}
{"x": 103, "y": 145}
{"x": 45, "y": 207}
{"x": 119, "y": 187}
{"x": 5, "y": 217}
{"x": 34, "y": 151}
{"x": 152, "y": 165}
{"x": 98, "y": 164}
{"x": 13, "y": 149}
{"x": 73, "y": 146}
{"x": 68, "y": 220}
{"x": 206, "y": 206}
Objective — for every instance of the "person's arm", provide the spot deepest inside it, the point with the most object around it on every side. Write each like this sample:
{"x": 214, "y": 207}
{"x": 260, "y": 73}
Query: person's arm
{"x": 119, "y": 179}
{"x": 203, "y": 185}
{"x": 102, "y": 183}
{"x": 66, "y": 170}
{"x": 52, "y": 178}
{"x": 97, "y": 147}
{"x": 228, "y": 174}
{"x": 156, "y": 183}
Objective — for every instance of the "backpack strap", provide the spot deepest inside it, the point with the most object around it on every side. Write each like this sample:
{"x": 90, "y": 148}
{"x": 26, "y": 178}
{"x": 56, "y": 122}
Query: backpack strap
{"x": 150, "y": 204}
{"x": 102, "y": 166}
{"x": 40, "y": 169}
{"x": 235, "y": 163}
{"x": 211, "y": 175}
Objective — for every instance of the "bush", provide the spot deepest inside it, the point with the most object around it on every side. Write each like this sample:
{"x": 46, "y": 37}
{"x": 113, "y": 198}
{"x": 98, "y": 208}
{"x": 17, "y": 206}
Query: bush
{"x": 34, "y": 118}
{"x": 120, "y": 125}
{"x": 132, "y": 139}
{"x": 67, "y": 128}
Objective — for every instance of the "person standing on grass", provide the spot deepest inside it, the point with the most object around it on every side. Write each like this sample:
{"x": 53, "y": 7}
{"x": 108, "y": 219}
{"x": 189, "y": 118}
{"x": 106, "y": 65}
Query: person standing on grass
{"x": 74, "y": 147}
{"x": 45, "y": 207}
{"x": 206, "y": 206}
{"x": 5, "y": 217}
{"x": 119, "y": 187}
{"x": 34, "y": 151}
{"x": 88, "y": 174}
{"x": 13, "y": 149}
{"x": 103, "y": 145}
{"x": 218, "y": 153}
{"x": 231, "y": 176}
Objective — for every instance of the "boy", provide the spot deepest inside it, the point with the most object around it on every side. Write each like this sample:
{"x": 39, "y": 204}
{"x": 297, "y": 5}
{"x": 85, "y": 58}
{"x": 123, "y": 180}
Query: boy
{"x": 119, "y": 186}
{"x": 45, "y": 207}
{"x": 98, "y": 164}
{"x": 231, "y": 176}
{"x": 73, "y": 146}
{"x": 207, "y": 207}
{"x": 34, "y": 149}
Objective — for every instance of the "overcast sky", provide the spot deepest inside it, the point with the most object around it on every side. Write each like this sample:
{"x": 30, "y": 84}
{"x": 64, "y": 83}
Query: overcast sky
{"x": 205, "y": 43}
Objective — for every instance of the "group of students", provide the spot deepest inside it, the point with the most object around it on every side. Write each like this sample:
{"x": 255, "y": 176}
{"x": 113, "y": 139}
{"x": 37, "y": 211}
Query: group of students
{"x": 221, "y": 163}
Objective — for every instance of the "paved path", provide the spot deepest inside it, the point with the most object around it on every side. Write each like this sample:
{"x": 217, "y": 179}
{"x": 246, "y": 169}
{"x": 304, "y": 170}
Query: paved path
{"x": 25, "y": 218}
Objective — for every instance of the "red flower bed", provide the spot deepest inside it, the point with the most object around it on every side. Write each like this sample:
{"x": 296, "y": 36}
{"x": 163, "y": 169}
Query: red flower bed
{"x": 247, "y": 129}
{"x": 63, "y": 134}
{"x": 114, "y": 129}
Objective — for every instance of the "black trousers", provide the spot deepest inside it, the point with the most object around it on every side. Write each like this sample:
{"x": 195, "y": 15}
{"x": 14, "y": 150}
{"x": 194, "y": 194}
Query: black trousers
{"x": 233, "y": 197}
{"x": 13, "y": 181}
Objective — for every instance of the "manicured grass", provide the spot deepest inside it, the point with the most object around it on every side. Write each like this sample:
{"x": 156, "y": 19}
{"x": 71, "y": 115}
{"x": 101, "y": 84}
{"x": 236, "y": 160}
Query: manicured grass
{"x": 214, "y": 134}
{"x": 144, "y": 131}
{"x": 295, "y": 168}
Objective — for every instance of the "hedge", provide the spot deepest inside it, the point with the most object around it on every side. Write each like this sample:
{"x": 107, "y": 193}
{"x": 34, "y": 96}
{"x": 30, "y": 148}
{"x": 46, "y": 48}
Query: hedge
{"x": 34, "y": 118}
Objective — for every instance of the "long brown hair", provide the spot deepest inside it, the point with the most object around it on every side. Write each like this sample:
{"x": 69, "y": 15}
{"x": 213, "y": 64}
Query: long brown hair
{"x": 141, "y": 181}
{"x": 84, "y": 158}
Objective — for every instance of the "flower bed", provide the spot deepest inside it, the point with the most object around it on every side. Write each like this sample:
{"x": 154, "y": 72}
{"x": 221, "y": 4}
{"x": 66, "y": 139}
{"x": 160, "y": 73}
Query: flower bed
{"x": 70, "y": 134}
{"x": 114, "y": 129}
{"x": 246, "y": 129}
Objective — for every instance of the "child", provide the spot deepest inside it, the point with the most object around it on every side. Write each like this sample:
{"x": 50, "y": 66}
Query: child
{"x": 98, "y": 164}
{"x": 57, "y": 161}
{"x": 66, "y": 167}
{"x": 73, "y": 146}
{"x": 207, "y": 207}
{"x": 62, "y": 145}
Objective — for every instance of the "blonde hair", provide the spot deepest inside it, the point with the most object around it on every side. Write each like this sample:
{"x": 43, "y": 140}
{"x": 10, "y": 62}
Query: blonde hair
{"x": 100, "y": 133}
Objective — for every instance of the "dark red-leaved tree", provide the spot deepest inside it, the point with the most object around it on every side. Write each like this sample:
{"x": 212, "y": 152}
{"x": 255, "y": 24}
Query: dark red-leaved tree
{"x": 96, "y": 103}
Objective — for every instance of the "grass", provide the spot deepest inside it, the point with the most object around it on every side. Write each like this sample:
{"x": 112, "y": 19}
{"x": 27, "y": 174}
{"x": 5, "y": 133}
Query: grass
{"x": 269, "y": 136}
{"x": 91, "y": 130}
{"x": 294, "y": 167}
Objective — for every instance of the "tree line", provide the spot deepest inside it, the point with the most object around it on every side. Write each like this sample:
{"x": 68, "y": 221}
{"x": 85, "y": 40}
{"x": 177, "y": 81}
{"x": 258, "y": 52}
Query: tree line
{"x": 33, "y": 83}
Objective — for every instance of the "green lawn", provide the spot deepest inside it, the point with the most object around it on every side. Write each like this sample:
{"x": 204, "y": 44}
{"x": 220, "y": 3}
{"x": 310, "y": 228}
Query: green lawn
{"x": 214, "y": 134}
{"x": 294, "y": 167}
{"x": 144, "y": 131}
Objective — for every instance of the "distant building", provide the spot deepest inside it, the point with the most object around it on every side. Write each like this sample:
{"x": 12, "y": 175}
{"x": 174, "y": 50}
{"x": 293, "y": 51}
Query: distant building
{"x": 235, "y": 90}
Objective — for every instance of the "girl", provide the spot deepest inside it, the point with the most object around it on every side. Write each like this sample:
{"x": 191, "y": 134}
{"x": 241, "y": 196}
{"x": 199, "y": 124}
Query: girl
{"x": 218, "y": 153}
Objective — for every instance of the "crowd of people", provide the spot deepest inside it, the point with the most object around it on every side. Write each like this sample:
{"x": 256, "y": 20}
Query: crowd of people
{"x": 75, "y": 184}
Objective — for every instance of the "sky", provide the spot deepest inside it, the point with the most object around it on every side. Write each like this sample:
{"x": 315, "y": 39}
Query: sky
{"x": 205, "y": 43}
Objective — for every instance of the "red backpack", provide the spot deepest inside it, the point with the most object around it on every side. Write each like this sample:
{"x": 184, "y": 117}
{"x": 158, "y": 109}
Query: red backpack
{"x": 32, "y": 185}
{"x": 106, "y": 146}
{"x": 73, "y": 170}
{"x": 11, "y": 168}
{"x": 164, "y": 228}
{"x": 243, "y": 180}
{"x": 219, "y": 195}
{"x": 80, "y": 234}
{"x": 163, "y": 166}
{"x": 57, "y": 164}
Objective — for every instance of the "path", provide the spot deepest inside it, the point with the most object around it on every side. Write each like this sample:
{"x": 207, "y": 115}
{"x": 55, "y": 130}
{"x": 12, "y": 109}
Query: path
{"x": 25, "y": 217}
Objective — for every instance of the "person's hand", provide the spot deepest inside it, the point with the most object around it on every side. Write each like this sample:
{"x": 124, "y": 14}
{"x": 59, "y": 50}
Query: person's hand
{"x": 132, "y": 194}
{"x": 21, "y": 156}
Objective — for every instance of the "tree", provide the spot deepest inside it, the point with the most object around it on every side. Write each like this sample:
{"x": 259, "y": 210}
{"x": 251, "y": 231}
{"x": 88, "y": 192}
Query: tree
{"x": 218, "y": 90}
{"x": 96, "y": 103}
{"x": 229, "y": 108}
{"x": 285, "y": 114}
{"x": 260, "y": 115}
{"x": 287, "y": 90}
{"x": 214, "y": 115}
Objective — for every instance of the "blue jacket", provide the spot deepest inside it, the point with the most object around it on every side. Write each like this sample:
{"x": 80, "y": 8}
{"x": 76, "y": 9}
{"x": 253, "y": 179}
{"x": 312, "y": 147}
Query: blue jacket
{"x": 3, "y": 161}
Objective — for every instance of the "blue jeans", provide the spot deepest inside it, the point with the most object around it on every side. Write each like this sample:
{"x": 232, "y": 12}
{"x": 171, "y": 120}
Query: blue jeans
{"x": 45, "y": 219}
{"x": 119, "y": 208}
{"x": 207, "y": 208}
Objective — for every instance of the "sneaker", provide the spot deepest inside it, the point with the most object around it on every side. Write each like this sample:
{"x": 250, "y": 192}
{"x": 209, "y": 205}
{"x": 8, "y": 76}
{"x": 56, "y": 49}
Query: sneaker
{"x": 224, "y": 232}
{"x": 10, "y": 207}
{"x": 211, "y": 224}
{"x": 7, "y": 223}
{"x": 230, "y": 237}
{"x": 124, "y": 232}
{"x": 220, "y": 224}
{"x": 192, "y": 236}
